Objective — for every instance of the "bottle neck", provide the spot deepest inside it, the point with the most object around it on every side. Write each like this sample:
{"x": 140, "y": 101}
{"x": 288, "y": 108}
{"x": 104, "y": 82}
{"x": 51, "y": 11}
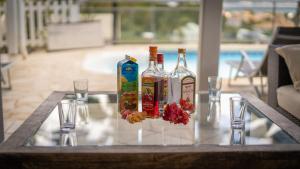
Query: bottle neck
{"x": 181, "y": 62}
{"x": 152, "y": 64}
{"x": 160, "y": 66}
{"x": 153, "y": 60}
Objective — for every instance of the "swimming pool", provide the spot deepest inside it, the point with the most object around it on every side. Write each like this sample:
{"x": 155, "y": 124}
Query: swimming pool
{"x": 106, "y": 62}
{"x": 191, "y": 57}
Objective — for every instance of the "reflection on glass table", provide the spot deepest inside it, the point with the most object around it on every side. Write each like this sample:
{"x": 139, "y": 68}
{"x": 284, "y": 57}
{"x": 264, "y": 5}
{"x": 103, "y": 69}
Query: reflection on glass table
{"x": 68, "y": 138}
{"x": 99, "y": 123}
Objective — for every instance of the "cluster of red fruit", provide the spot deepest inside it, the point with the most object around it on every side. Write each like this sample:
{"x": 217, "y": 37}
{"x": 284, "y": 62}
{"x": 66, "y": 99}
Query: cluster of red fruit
{"x": 186, "y": 105}
{"x": 175, "y": 114}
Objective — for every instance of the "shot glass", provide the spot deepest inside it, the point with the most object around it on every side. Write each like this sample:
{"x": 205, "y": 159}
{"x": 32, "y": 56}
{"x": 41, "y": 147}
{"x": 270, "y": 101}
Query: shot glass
{"x": 82, "y": 113}
{"x": 68, "y": 139}
{"x": 67, "y": 115}
{"x": 237, "y": 136}
{"x": 238, "y": 106}
{"x": 81, "y": 89}
{"x": 214, "y": 88}
{"x": 213, "y": 118}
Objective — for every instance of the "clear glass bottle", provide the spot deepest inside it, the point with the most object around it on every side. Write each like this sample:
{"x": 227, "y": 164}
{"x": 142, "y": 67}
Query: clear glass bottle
{"x": 182, "y": 81}
{"x": 151, "y": 84}
{"x": 165, "y": 77}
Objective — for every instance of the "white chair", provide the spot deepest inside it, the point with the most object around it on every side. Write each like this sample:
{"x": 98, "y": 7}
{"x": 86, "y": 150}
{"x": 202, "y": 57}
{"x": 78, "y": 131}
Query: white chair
{"x": 250, "y": 69}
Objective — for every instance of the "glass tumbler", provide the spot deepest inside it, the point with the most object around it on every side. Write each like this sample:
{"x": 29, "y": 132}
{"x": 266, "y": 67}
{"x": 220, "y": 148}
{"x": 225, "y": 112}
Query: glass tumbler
{"x": 238, "y": 106}
{"x": 214, "y": 88}
{"x": 81, "y": 89}
{"x": 67, "y": 115}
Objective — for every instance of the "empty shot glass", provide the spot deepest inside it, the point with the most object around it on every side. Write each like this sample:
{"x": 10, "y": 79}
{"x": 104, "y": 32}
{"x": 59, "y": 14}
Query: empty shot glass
{"x": 68, "y": 139}
{"x": 214, "y": 88}
{"x": 67, "y": 115}
{"x": 238, "y": 107}
{"x": 82, "y": 113}
{"x": 81, "y": 89}
{"x": 213, "y": 118}
{"x": 237, "y": 136}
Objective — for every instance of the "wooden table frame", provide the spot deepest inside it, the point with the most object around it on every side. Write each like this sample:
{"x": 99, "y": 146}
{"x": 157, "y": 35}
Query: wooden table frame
{"x": 13, "y": 153}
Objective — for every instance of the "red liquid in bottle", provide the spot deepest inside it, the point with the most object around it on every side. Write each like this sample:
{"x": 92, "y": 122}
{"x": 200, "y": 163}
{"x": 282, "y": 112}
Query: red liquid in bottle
{"x": 151, "y": 86}
{"x": 151, "y": 96}
{"x": 157, "y": 97}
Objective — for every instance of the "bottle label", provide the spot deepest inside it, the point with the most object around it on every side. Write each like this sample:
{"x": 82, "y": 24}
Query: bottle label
{"x": 129, "y": 78}
{"x": 148, "y": 87}
{"x": 165, "y": 90}
{"x": 188, "y": 89}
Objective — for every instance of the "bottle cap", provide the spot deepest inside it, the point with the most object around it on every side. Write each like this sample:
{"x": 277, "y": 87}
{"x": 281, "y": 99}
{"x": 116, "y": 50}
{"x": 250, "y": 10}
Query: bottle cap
{"x": 153, "y": 52}
{"x": 153, "y": 49}
{"x": 181, "y": 50}
{"x": 160, "y": 58}
{"x": 133, "y": 59}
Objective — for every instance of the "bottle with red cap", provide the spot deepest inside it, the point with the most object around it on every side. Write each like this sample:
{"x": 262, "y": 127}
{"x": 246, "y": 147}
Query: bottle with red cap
{"x": 165, "y": 77}
{"x": 151, "y": 85}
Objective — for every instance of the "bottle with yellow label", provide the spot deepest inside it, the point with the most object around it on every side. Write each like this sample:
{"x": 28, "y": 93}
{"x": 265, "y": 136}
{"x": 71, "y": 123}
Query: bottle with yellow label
{"x": 127, "y": 79}
{"x": 151, "y": 86}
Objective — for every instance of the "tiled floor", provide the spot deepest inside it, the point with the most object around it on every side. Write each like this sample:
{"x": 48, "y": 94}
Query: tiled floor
{"x": 42, "y": 72}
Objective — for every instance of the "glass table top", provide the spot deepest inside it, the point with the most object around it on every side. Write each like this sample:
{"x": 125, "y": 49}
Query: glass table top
{"x": 99, "y": 123}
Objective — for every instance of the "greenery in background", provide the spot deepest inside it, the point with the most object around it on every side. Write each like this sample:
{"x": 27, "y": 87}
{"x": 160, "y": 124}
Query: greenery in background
{"x": 259, "y": 22}
{"x": 133, "y": 24}
{"x": 165, "y": 23}
{"x": 140, "y": 17}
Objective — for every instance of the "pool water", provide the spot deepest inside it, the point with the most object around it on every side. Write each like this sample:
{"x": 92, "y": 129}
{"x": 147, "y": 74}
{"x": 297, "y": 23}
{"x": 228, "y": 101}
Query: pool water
{"x": 106, "y": 62}
{"x": 191, "y": 57}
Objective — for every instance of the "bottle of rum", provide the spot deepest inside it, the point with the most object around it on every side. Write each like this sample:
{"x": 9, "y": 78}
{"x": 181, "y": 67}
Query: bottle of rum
{"x": 151, "y": 84}
{"x": 182, "y": 82}
{"x": 165, "y": 77}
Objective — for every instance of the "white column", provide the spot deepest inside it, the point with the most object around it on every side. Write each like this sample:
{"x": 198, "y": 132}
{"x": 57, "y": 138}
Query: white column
{"x": 209, "y": 41}
{"x": 22, "y": 29}
{"x": 12, "y": 26}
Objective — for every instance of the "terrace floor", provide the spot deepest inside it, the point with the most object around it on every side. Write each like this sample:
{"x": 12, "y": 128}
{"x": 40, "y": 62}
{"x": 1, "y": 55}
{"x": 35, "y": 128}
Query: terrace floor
{"x": 34, "y": 78}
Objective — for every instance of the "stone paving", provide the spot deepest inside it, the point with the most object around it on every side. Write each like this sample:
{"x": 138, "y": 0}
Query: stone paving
{"x": 34, "y": 78}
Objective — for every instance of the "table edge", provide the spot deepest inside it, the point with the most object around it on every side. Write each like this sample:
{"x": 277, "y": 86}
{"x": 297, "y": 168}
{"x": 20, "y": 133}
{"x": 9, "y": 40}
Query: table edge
{"x": 276, "y": 117}
{"x": 15, "y": 143}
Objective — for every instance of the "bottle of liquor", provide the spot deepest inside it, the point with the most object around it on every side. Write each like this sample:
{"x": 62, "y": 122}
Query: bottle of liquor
{"x": 182, "y": 82}
{"x": 151, "y": 84}
{"x": 127, "y": 79}
{"x": 165, "y": 77}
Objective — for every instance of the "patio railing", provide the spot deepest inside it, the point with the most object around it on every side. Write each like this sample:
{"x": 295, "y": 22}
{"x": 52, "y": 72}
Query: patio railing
{"x": 37, "y": 15}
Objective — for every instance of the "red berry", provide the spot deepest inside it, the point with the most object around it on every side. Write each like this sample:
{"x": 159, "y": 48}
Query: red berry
{"x": 175, "y": 114}
{"x": 125, "y": 113}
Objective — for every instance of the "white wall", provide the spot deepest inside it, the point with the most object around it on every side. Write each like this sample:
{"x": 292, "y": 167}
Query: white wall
{"x": 107, "y": 25}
